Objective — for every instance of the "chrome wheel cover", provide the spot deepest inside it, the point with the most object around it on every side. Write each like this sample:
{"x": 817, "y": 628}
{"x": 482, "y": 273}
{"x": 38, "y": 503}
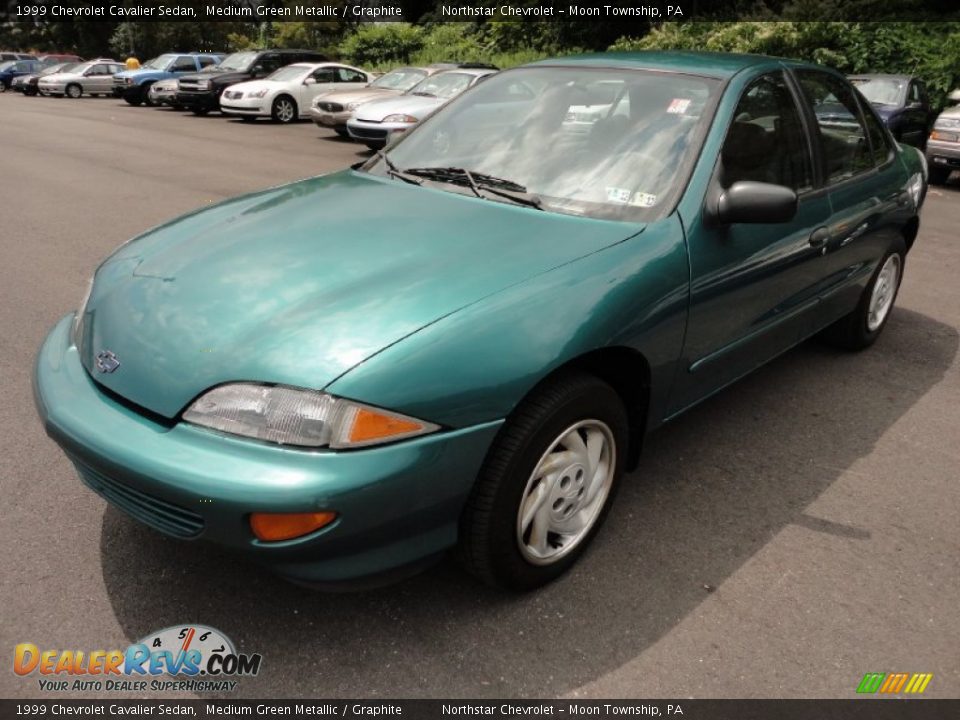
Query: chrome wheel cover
{"x": 884, "y": 290}
{"x": 284, "y": 110}
{"x": 566, "y": 492}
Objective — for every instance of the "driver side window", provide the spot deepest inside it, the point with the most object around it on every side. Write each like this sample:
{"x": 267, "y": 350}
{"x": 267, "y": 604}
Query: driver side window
{"x": 766, "y": 141}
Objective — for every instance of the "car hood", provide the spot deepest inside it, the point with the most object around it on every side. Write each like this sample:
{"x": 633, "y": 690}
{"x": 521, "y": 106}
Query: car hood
{"x": 417, "y": 105}
{"x": 254, "y": 85}
{"x": 360, "y": 95}
{"x": 298, "y": 284}
{"x": 61, "y": 77}
{"x": 140, "y": 73}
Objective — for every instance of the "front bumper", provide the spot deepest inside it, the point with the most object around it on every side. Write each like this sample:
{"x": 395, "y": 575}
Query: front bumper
{"x": 242, "y": 106}
{"x": 374, "y": 132}
{"x": 398, "y": 504}
{"x": 336, "y": 120}
{"x": 203, "y": 100}
{"x": 943, "y": 154}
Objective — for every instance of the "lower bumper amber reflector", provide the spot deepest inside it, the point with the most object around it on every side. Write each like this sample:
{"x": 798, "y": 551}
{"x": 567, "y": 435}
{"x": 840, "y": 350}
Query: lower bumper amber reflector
{"x": 271, "y": 527}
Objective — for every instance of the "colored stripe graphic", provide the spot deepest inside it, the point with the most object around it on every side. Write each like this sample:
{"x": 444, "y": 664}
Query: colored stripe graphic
{"x": 894, "y": 683}
{"x": 871, "y": 682}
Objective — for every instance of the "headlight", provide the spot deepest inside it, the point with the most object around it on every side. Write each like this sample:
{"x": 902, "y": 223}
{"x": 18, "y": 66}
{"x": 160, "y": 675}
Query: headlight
{"x": 128, "y": 81}
{"x": 352, "y": 106}
{"x": 400, "y": 119}
{"x": 292, "y": 416}
{"x": 257, "y": 94}
{"x": 76, "y": 332}
{"x": 915, "y": 189}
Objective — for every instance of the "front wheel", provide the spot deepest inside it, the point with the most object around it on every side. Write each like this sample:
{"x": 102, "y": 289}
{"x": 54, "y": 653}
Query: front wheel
{"x": 145, "y": 94}
{"x": 939, "y": 175}
{"x": 73, "y": 91}
{"x": 546, "y": 484}
{"x": 200, "y": 112}
{"x": 284, "y": 110}
{"x": 861, "y": 328}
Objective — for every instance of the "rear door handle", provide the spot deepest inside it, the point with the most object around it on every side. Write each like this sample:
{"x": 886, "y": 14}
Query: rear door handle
{"x": 819, "y": 237}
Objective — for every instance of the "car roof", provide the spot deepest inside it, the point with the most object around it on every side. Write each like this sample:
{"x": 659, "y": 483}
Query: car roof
{"x": 709, "y": 64}
{"x": 467, "y": 71}
{"x": 880, "y": 76}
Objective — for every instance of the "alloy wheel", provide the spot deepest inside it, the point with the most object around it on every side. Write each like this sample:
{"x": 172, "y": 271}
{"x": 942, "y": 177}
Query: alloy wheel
{"x": 884, "y": 291}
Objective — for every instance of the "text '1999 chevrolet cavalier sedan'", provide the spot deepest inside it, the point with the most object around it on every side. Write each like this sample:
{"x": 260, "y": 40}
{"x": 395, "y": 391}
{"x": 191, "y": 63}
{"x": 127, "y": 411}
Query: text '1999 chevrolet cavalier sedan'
{"x": 475, "y": 361}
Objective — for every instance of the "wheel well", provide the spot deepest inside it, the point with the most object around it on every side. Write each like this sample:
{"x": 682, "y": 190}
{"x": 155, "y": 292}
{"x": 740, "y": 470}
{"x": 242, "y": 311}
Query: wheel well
{"x": 288, "y": 97}
{"x": 628, "y": 373}
{"x": 910, "y": 231}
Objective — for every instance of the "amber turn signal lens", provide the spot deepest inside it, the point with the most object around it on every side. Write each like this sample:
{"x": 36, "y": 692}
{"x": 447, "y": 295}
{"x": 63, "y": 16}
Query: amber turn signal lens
{"x": 271, "y": 527}
{"x": 369, "y": 425}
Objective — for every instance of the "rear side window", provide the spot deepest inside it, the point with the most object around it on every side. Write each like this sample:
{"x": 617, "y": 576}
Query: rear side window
{"x": 844, "y": 146}
{"x": 207, "y": 62}
{"x": 324, "y": 75}
{"x": 184, "y": 64}
{"x": 766, "y": 141}
{"x": 350, "y": 76}
{"x": 271, "y": 62}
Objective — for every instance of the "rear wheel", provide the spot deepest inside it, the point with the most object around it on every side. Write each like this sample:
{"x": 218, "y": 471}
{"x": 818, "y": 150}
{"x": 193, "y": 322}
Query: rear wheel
{"x": 863, "y": 326}
{"x": 546, "y": 484}
{"x": 73, "y": 91}
{"x": 284, "y": 110}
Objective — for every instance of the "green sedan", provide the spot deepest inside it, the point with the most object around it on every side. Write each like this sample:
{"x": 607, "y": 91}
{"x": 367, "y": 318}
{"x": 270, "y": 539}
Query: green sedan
{"x": 462, "y": 343}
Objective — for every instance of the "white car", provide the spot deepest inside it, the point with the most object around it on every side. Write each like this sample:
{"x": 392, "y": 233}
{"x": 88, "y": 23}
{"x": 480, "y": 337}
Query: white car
{"x": 372, "y": 123}
{"x": 287, "y": 93}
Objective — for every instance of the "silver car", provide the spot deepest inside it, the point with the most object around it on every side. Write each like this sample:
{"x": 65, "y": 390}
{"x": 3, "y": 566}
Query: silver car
{"x": 333, "y": 109}
{"x": 164, "y": 92}
{"x": 94, "y": 77}
{"x": 374, "y": 122}
{"x": 943, "y": 145}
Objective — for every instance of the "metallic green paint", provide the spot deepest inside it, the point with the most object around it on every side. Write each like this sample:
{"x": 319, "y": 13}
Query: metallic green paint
{"x": 440, "y": 306}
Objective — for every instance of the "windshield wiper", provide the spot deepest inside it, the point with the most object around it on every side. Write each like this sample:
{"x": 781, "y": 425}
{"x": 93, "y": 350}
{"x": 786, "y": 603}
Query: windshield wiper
{"x": 423, "y": 94}
{"x": 506, "y": 189}
{"x": 394, "y": 171}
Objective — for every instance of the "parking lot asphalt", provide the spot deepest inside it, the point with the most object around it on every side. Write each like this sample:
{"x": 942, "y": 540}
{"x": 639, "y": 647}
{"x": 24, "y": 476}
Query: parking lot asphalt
{"x": 787, "y": 536}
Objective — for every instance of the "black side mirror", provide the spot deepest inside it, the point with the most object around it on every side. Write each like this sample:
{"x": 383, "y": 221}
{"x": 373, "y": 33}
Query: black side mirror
{"x": 748, "y": 201}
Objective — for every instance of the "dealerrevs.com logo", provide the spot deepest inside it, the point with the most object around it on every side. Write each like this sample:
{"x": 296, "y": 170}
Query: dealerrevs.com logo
{"x": 178, "y": 658}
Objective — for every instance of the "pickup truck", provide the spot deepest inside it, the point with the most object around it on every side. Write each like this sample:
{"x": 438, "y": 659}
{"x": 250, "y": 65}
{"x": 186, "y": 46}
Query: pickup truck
{"x": 134, "y": 85}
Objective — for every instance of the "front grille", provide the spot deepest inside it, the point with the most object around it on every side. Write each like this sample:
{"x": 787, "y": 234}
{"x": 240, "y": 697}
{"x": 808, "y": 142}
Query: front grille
{"x": 159, "y": 514}
{"x": 368, "y": 133}
{"x": 191, "y": 86}
{"x": 330, "y": 106}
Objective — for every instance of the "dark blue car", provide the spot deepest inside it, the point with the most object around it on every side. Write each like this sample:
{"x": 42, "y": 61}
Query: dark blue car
{"x": 901, "y": 102}
{"x": 14, "y": 68}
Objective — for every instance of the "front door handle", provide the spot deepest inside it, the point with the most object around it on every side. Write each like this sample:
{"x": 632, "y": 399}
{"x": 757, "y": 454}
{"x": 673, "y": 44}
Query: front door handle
{"x": 819, "y": 237}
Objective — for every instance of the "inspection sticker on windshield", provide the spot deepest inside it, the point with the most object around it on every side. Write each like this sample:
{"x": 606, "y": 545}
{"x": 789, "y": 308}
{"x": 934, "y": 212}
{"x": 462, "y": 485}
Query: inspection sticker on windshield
{"x": 618, "y": 195}
{"x": 678, "y": 106}
{"x": 642, "y": 199}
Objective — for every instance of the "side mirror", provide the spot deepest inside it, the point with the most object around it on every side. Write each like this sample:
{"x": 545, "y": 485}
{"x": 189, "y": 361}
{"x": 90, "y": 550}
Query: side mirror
{"x": 748, "y": 201}
{"x": 310, "y": 81}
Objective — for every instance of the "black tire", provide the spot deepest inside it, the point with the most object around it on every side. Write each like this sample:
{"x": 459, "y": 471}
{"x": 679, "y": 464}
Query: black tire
{"x": 489, "y": 546}
{"x": 134, "y": 97}
{"x": 248, "y": 118}
{"x": 145, "y": 94}
{"x": 342, "y": 133}
{"x": 939, "y": 175}
{"x": 284, "y": 110}
{"x": 30, "y": 91}
{"x": 853, "y": 332}
{"x": 3, "y": 87}
{"x": 200, "y": 112}
{"x": 72, "y": 91}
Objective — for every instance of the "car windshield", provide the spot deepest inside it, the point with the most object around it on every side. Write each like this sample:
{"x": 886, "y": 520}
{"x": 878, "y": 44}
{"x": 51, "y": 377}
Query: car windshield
{"x": 238, "y": 61}
{"x": 288, "y": 73}
{"x": 402, "y": 79}
{"x": 159, "y": 63}
{"x": 443, "y": 85}
{"x": 7, "y": 65}
{"x": 880, "y": 91}
{"x": 615, "y": 144}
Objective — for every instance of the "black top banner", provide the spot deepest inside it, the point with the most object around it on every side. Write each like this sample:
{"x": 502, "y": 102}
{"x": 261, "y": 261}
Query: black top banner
{"x": 653, "y": 11}
{"x": 378, "y": 709}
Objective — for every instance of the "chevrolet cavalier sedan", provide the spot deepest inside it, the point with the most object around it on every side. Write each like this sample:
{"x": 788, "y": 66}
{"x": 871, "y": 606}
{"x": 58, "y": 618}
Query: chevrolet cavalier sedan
{"x": 463, "y": 342}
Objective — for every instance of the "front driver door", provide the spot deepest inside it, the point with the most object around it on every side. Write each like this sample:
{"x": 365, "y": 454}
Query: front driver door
{"x": 753, "y": 285}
